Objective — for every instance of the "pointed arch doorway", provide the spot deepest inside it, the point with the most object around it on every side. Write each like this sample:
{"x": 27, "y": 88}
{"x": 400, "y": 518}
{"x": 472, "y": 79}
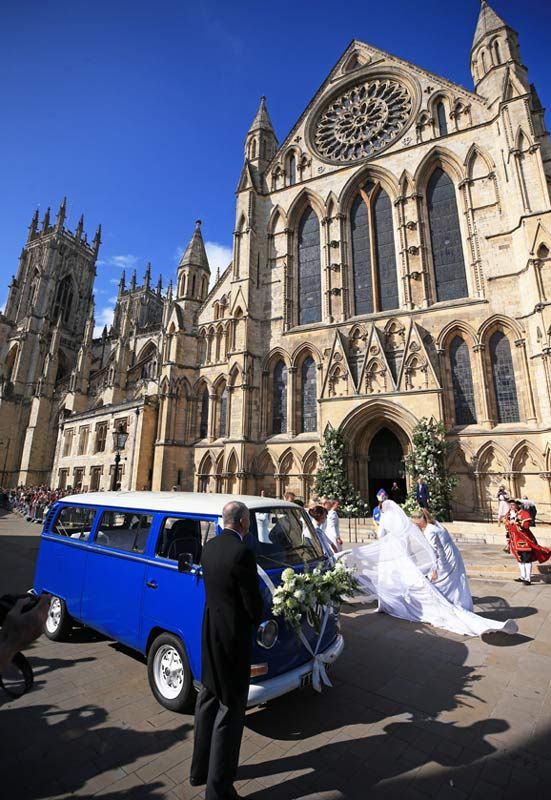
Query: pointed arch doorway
{"x": 385, "y": 464}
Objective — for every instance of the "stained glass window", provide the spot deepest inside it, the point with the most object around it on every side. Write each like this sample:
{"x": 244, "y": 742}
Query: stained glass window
{"x": 445, "y": 234}
{"x": 361, "y": 258}
{"x": 462, "y": 383}
{"x": 204, "y": 418}
{"x": 385, "y": 252}
{"x": 309, "y": 269}
{"x": 309, "y": 396}
{"x": 442, "y": 121}
{"x": 504, "y": 378}
{"x": 279, "y": 398}
{"x": 223, "y": 414}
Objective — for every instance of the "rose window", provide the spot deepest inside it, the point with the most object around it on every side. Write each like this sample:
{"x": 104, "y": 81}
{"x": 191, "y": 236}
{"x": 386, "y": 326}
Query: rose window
{"x": 363, "y": 120}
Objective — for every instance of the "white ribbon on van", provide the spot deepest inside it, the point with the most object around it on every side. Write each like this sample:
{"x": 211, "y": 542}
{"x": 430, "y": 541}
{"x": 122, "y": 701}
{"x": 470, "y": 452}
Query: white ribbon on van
{"x": 319, "y": 673}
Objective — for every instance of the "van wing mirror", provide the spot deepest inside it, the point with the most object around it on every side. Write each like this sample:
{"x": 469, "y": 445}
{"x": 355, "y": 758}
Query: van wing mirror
{"x": 185, "y": 562}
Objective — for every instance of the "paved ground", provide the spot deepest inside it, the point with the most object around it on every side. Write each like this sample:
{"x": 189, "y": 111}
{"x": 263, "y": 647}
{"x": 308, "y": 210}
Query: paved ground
{"x": 413, "y": 713}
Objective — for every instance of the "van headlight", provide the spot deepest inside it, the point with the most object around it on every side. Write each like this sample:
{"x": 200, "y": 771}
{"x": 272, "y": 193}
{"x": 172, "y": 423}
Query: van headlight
{"x": 267, "y": 633}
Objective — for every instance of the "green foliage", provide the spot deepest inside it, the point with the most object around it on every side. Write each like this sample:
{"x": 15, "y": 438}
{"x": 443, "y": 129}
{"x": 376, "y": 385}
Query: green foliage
{"x": 428, "y": 460}
{"x": 332, "y": 481}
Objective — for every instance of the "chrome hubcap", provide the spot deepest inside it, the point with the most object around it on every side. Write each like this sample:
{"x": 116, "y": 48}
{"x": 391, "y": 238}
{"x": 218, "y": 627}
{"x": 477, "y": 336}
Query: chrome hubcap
{"x": 168, "y": 671}
{"x": 54, "y": 615}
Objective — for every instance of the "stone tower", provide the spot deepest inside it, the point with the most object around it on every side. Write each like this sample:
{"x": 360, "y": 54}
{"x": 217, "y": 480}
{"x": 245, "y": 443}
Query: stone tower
{"x": 40, "y": 333}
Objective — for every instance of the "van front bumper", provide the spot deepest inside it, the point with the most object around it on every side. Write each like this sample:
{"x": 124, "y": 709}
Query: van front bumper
{"x": 294, "y": 679}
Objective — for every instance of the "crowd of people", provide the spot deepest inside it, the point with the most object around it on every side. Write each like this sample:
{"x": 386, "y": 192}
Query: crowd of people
{"x": 32, "y": 502}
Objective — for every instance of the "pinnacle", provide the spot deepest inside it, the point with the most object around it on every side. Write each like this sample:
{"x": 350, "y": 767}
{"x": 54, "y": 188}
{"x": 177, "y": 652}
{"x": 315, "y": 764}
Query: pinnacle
{"x": 262, "y": 119}
{"x": 195, "y": 254}
{"x": 488, "y": 21}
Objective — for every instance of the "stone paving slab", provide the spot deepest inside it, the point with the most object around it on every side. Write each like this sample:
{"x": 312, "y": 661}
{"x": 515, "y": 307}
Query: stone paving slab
{"x": 413, "y": 713}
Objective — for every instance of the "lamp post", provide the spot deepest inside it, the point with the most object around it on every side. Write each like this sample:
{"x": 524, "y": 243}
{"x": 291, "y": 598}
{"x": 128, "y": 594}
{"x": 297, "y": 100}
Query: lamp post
{"x": 119, "y": 442}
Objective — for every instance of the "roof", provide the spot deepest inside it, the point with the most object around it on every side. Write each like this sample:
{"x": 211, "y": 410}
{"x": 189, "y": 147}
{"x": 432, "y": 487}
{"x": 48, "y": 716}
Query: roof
{"x": 175, "y": 502}
{"x": 195, "y": 254}
{"x": 262, "y": 119}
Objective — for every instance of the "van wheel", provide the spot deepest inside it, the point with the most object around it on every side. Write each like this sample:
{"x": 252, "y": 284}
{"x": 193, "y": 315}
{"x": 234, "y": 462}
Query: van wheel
{"x": 169, "y": 674}
{"x": 58, "y": 623}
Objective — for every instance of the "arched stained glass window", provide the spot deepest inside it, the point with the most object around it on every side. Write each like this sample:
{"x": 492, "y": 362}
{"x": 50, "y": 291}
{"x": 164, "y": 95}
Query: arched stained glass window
{"x": 441, "y": 117}
{"x": 462, "y": 382}
{"x": 504, "y": 378}
{"x": 223, "y": 414}
{"x": 309, "y": 269}
{"x": 385, "y": 252}
{"x": 445, "y": 235}
{"x": 204, "y": 416}
{"x": 309, "y": 396}
{"x": 279, "y": 398}
{"x": 361, "y": 258}
{"x": 292, "y": 166}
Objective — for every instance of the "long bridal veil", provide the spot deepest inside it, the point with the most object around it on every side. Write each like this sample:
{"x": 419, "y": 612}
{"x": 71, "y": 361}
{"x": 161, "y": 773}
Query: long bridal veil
{"x": 397, "y": 568}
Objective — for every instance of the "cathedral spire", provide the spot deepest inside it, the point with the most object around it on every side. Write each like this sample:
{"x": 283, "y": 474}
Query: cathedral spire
{"x": 80, "y": 227}
{"x": 262, "y": 121}
{"x": 261, "y": 141}
{"x": 97, "y": 240}
{"x": 46, "y": 221}
{"x": 160, "y": 285}
{"x": 61, "y": 214}
{"x": 195, "y": 254}
{"x": 122, "y": 282}
{"x": 488, "y": 22}
{"x": 147, "y": 276}
{"x": 133, "y": 280}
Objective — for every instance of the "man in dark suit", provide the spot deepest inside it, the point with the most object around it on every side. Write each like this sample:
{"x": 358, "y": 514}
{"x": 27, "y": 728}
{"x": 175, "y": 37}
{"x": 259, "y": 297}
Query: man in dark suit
{"x": 233, "y": 606}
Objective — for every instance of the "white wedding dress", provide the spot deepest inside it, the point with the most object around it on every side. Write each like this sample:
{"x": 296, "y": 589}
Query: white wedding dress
{"x": 396, "y": 570}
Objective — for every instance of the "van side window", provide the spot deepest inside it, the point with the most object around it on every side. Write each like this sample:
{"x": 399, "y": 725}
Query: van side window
{"x": 74, "y": 521}
{"x": 180, "y": 535}
{"x": 124, "y": 530}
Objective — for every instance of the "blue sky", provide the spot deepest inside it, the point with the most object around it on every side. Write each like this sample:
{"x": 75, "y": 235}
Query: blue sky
{"x": 137, "y": 111}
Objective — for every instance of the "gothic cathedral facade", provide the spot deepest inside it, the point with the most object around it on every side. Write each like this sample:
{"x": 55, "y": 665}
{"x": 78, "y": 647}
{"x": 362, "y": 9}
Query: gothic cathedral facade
{"x": 391, "y": 261}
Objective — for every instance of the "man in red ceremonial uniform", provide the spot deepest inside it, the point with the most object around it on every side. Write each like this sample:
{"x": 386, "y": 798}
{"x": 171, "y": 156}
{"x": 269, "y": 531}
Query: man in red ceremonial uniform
{"x": 523, "y": 544}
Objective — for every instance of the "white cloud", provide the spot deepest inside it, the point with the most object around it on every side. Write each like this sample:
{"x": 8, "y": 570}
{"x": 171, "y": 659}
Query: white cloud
{"x": 219, "y": 256}
{"x": 126, "y": 261}
{"x": 104, "y": 317}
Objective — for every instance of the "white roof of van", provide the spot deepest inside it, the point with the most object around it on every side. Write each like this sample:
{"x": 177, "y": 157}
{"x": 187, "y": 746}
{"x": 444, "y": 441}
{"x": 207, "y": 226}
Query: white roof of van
{"x": 177, "y": 502}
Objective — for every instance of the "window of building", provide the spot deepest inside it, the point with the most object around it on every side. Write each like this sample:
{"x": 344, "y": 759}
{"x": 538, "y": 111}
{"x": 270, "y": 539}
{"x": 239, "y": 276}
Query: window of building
{"x": 279, "y": 398}
{"x": 68, "y": 442}
{"x": 309, "y": 269}
{"x": 83, "y": 434}
{"x": 124, "y": 530}
{"x": 204, "y": 414}
{"x": 462, "y": 383}
{"x": 441, "y": 118}
{"x": 223, "y": 414}
{"x": 374, "y": 271}
{"x": 95, "y": 477}
{"x": 63, "y": 299}
{"x": 445, "y": 235}
{"x": 497, "y": 53}
{"x": 292, "y": 169}
{"x": 309, "y": 396}
{"x": 503, "y": 378}
{"x": 74, "y": 521}
{"x": 78, "y": 477}
{"x": 101, "y": 437}
{"x": 62, "y": 478}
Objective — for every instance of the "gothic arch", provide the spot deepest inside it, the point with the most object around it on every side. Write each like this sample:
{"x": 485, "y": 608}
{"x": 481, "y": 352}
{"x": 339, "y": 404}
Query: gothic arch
{"x": 456, "y": 328}
{"x": 302, "y": 352}
{"x": 373, "y": 173}
{"x": 475, "y": 152}
{"x": 331, "y": 205}
{"x": 499, "y": 322}
{"x": 438, "y": 157}
{"x": 148, "y": 350}
{"x": 310, "y": 461}
{"x": 376, "y": 414}
{"x": 289, "y": 461}
{"x": 406, "y": 183}
{"x": 526, "y": 448}
{"x": 232, "y": 462}
{"x": 523, "y": 141}
{"x": 234, "y": 376}
{"x": 304, "y": 199}
{"x": 277, "y": 354}
{"x": 278, "y": 218}
{"x": 9, "y": 363}
{"x": 488, "y": 453}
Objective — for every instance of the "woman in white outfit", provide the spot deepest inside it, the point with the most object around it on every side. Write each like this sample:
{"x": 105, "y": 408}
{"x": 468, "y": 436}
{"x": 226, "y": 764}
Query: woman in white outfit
{"x": 397, "y": 570}
{"x": 452, "y": 579}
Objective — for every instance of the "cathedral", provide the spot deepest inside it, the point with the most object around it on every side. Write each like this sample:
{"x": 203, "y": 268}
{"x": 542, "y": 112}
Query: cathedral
{"x": 391, "y": 261}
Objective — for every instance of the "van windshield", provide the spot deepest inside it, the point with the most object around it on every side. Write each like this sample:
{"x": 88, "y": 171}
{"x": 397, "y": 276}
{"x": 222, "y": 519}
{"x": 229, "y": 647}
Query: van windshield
{"x": 283, "y": 537}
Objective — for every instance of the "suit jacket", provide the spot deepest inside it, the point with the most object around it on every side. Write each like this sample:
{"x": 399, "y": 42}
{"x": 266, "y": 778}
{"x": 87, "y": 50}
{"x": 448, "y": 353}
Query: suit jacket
{"x": 233, "y": 605}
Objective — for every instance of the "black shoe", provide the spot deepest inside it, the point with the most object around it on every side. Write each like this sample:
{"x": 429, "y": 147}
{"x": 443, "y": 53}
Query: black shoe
{"x": 519, "y": 580}
{"x": 527, "y": 583}
{"x": 197, "y": 781}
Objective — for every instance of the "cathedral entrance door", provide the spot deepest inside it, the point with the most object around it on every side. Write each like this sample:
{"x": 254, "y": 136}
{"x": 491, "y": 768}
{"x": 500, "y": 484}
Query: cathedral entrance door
{"x": 385, "y": 465}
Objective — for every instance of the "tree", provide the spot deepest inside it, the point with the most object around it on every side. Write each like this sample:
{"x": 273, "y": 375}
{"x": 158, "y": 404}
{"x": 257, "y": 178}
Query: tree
{"x": 428, "y": 460}
{"x": 331, "y": 480}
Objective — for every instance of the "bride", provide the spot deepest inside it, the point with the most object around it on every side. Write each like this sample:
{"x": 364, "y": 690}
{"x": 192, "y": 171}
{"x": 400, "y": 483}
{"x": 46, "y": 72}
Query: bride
{"x": 399, "y": 569}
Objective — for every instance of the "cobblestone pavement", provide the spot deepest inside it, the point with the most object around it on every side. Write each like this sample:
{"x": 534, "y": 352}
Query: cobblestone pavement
{"x": 413, "y": 713}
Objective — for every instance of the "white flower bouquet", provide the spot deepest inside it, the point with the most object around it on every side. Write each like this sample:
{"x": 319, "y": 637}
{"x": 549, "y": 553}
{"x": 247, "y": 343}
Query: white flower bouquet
{"x": 310, "y": 592}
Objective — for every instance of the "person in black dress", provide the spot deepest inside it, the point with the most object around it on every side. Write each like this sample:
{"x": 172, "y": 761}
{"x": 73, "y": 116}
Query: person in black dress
{"x": 233, "y": 606}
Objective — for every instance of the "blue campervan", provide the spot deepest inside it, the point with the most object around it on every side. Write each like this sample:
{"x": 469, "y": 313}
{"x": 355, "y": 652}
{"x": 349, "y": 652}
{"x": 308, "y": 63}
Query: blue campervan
{"x": 128, "y": 564}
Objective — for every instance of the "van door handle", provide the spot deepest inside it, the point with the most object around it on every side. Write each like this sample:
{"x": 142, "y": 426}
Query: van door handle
{"x": 152, "y": 584}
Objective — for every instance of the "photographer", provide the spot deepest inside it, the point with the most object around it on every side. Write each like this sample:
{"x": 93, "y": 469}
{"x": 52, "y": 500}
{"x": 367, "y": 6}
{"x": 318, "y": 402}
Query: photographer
{"x": 20, "y": 627}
